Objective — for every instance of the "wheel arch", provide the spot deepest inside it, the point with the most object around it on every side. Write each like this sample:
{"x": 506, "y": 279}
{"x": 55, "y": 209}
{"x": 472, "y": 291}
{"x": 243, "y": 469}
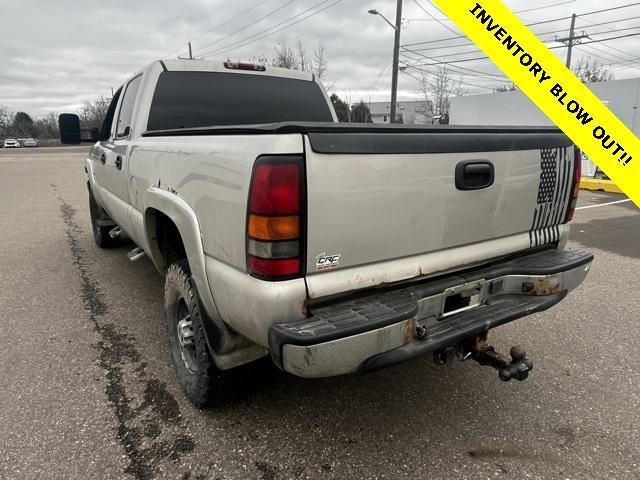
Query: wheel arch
{"x": 165, "y": 209}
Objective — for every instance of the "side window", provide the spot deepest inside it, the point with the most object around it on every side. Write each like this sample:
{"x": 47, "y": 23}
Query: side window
{"x": 126, "y": 110}
{"x": 105, "y": 131}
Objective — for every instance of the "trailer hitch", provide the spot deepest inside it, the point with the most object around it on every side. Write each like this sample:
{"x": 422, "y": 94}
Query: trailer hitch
{"x": 517, "y": 367}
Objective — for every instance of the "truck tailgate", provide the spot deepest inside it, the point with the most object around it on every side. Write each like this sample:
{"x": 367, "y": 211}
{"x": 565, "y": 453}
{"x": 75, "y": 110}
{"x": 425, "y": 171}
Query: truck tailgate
{"x": 385, "y": 196}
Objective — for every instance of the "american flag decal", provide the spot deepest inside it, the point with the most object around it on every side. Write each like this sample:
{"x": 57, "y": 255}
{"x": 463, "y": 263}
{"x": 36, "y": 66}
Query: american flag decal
{"x": 556, "y": 167}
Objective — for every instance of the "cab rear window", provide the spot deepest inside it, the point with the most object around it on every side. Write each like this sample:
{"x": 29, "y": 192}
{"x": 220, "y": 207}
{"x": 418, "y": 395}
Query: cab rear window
{"x": 204, "y": 99}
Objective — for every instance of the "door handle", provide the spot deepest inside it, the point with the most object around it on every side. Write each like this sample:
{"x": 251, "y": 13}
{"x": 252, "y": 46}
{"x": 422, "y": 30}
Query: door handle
{"x": 119, "y": 162}
{"x": 103, "y": 158}
{"x": 474, "y": 175}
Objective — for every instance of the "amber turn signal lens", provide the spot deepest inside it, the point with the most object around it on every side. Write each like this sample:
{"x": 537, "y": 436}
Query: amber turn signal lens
{"x": 274, "y": 228}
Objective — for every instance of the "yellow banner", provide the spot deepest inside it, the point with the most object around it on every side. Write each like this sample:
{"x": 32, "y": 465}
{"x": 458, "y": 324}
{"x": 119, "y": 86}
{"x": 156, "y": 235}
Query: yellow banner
{"x": 552, "y": 87}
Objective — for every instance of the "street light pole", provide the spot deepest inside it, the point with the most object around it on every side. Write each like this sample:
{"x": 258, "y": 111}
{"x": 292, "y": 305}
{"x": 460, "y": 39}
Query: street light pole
{"x": 396, "y": 58}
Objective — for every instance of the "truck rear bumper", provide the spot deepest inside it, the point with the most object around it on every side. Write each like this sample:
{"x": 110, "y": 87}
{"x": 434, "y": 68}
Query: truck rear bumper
{"x": 379, "y": 329}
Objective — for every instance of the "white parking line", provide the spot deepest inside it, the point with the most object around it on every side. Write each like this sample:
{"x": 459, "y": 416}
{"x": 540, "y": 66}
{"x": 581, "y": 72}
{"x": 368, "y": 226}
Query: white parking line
{"x": 603, "y": 204}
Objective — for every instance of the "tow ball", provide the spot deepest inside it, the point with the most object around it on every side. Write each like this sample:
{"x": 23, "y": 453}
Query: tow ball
{"x": 515, "y": 368}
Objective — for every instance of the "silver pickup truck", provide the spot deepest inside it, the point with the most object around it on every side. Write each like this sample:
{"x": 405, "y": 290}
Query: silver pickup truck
{"x": 333, "y": 248}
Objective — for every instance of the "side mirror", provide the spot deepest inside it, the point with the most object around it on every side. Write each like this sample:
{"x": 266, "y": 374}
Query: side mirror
{"x": 72, "y": 134}
{"x": 69, "y": 124}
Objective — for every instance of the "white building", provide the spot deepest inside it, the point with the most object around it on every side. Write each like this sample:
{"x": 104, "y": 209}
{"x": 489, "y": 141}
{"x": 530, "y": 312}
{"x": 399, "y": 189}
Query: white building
{"x": 410, "y": 112}
{"x": 514, "y": 108}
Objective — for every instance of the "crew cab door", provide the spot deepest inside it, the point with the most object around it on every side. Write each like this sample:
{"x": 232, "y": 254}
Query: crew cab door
{"x": 115, "y": 156}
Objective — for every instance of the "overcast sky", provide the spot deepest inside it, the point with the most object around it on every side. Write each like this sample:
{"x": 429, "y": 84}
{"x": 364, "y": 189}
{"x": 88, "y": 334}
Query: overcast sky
{"x": 57, "y": 54}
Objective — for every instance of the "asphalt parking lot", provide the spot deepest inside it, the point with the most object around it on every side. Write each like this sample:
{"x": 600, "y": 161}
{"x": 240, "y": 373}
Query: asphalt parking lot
{"x": 88, "y": 387}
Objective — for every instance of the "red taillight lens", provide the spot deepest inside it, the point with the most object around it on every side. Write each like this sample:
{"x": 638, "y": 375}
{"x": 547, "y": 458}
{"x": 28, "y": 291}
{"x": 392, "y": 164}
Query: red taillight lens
{"x": 274, "y": 220}
{"x": 270, "y": 268}
{"x": 575, "y": 184}
{"x": 275, "y": 189}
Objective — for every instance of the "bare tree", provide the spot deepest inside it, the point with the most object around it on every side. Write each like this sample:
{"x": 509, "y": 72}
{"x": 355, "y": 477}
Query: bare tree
{"x": 6, "y": 120}
{"x": 437, "y": 87}
{"x": 48, "y": 125}
{"x": 285, "y": 57}
{"x": 592, "y": 70}
{"x": 321, "y": 64}
{"x": 304, "y": 63}
{"x": 92, "y": 113}
{"x": 298, "y": 58}
{"x": 507, "y": 87}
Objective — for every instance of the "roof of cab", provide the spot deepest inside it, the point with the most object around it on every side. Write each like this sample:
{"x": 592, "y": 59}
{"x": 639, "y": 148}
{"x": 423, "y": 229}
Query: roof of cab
{"x": 197, "y": 65}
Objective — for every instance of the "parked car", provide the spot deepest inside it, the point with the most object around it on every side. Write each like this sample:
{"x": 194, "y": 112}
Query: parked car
{"x": 30, "y": 142}
{"x": 11, "y": 143}
{"x": 21, "y": 141}
{"x": 333, "y": 248}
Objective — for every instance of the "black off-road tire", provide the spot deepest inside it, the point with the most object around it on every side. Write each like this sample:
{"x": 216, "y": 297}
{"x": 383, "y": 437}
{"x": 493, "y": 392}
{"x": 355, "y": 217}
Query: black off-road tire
{"x": 202, "y": 382}
{"x": 100, "y": 233}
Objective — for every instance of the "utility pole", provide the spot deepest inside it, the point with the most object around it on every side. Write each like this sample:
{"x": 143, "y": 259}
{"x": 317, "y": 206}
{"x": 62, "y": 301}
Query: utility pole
{"x": 396, "y": 57}
{"x": 396, "y": 61}
{"x": 190, "y": 53}
{"x": 572, "y": 39}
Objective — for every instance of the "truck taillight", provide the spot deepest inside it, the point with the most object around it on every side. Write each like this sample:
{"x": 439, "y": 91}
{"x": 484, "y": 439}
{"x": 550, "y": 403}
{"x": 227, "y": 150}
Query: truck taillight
{"x": 575, "y": 184}
{"x": 275, "y": 226}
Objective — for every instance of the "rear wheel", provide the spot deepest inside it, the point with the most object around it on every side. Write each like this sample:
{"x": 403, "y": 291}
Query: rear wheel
{"x": 202, "y": 382}
{"x": 100, "y": 232}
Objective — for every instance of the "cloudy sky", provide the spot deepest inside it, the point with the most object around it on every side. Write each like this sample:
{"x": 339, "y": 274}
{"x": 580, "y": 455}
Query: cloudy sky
{"x": 57, "y": 54}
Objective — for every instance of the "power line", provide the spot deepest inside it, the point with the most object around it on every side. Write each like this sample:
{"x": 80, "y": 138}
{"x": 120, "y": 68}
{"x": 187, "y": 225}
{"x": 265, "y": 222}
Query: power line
{"x": 475, "y": 50}
{"x": 550, "y": 48}
{"x": 383, "y": 68}
{"x": 591, "y": 50}
{"x": 434, "y": 18}
{"x": 251, "y": 39}
{"x": 445, "y": 19}
{"x": 594, "y": 24}
{"x": 628, "y": 63}
{"x": 449, "y": 63}
{"x": 619, "y": 7}
{"x": 604, "y": 52}
{"x": 543, "y": 22}
{"x": 463, "y": 36}
{"x": 247, "y": 26}
{"x": 465, "y": 70}
{"x": 546, "y": 6}
{"x": 613, "y": 31}
{"x": 441, "y": 75}
{"x": 612, "y": 38}
{"x": 223, "y": 24}
{"x": 538, "y": 34}
{"x": 472, "y": 71}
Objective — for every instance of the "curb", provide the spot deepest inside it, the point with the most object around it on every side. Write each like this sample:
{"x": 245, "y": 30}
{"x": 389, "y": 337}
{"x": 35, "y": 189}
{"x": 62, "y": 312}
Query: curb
{"x": 598, "y": 184}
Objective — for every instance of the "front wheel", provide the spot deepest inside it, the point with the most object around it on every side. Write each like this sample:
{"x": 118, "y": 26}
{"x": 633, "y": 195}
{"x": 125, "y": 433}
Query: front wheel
{"x": 201, "y": 381}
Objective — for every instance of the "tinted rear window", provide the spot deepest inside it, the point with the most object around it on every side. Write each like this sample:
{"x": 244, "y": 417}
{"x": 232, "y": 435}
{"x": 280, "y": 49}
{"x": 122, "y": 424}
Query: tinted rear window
{"x": 202, "y": 99}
